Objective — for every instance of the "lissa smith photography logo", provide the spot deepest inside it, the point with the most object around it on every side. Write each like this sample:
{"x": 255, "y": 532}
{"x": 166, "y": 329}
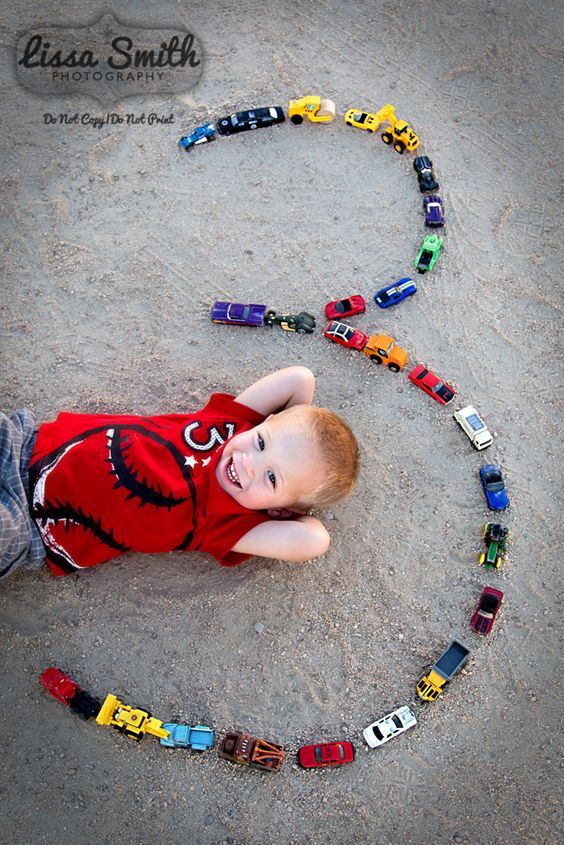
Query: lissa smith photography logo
{"x": 108, "y": 60}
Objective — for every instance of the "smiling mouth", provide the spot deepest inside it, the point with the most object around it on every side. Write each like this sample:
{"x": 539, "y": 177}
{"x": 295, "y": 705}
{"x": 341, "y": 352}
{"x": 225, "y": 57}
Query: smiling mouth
{"x": 232, "y": 474}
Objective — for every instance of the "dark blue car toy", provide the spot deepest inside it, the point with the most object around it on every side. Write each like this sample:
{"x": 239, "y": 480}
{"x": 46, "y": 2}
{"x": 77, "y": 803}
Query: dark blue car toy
{"x": 494, "y": 487}
{"x": 395, "y": 293}
{"x": 434, "y": 216}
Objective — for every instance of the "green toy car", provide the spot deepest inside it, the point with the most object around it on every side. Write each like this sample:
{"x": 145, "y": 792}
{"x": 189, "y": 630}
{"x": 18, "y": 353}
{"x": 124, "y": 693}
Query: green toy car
{"x": 495, "y": 538}
{"x": 428, "y": 254}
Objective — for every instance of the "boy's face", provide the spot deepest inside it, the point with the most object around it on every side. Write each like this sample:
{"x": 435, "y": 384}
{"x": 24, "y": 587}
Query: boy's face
{"x": 269, "y": 466}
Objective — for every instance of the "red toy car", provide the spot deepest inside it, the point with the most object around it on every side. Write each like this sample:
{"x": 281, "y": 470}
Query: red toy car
{"x": 354, "y": 304}
{"x": 346, "y": 335}
{"x": 488, "y": 607}
{"x": 59, "y": 685}
{"x": 325, "y": 754}
{"x": 432, "y": 384}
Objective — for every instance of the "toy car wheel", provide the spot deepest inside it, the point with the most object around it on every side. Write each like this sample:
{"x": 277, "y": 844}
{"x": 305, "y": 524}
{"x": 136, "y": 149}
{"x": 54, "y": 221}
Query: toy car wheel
{"x": 399, "y": 147}
{"x": 297, "y": 119}
{"x": 376, "y": 359}
{"x": 387, "y": 137}
{"x": 348, "y": 122}
{"x": 394, "y": 368}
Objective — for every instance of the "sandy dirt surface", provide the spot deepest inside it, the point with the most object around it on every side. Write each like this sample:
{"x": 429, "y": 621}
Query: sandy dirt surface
{"x": 115, "y": 245}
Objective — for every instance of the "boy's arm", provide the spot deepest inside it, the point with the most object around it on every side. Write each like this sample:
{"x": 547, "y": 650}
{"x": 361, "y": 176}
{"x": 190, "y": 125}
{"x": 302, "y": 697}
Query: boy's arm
{"x": 279, "y": 390}
{"x": 294, "y": 540}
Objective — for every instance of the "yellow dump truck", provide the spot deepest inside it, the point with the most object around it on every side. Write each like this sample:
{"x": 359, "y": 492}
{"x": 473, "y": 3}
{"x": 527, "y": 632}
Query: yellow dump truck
{"x": 431, "y": 685}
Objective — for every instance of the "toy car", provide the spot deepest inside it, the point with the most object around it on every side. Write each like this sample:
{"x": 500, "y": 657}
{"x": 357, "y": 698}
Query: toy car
{"x": 432, "y": 384}
{"x": 389, "y": 726}
{"x": 252, "y": 119}
{"x": 472, "y": 425}
{"x": 239, "y": 314}
{"x": 486, "y": 611}
{"x": 433, "y": 212}
{"x": 250, "y": 751}
{"x": 495, "y": 538}
{"x": 198, "y": 737}
{"x": 200, "y": 135}
{"x": 59, "y": 685}
{"x": 362, "y": 120}
{"x": 494, "y": 487}
{"x": 423, "y": 166}
{"x": 84, "y": 705}
{"x": 302, "y": 323}
{"x": 131, "y": 721}
{"x": 314, "y": 108}
{"x": 382, "y": 348}
{"x": 428, "y": 254}
{"x": 431, "y": 686}
{"x": 354, "y": 304}
{"x": 395, "y": 293}
{"x": 346, "y": 335}
{"x": 325, "y": 754}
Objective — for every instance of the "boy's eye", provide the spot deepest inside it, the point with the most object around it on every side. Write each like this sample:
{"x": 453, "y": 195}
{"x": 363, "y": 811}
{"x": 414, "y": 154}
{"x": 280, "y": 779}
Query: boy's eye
{"x": 272, "y": 478}
{"x": 260, "y": 443}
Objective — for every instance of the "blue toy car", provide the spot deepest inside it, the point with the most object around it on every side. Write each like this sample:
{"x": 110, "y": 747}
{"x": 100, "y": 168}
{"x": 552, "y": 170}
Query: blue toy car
{"x": 198, "y": 737}
{"x": 395, "y": 293}
{"x": 200, "y": 135}
{"x": 434, "y": 216}
{"x": 494, "y": 487}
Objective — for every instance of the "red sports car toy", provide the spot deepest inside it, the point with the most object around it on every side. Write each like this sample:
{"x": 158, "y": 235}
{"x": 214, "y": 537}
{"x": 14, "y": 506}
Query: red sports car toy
{"x": 487, "y": 610}
{"x": 346, "y": 335}
{"x": 354, "y": 304}
{"x": 59, "y": 685}
{"x": 325, "y": 754}
{"x": 432, "y": 384}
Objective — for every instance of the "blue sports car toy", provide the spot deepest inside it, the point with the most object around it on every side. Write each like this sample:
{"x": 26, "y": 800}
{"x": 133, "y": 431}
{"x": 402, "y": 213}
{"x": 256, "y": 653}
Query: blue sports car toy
{"x": 494, "y": 487}
{"x": 200, "y": 135}
{"x": 395, "y": 293}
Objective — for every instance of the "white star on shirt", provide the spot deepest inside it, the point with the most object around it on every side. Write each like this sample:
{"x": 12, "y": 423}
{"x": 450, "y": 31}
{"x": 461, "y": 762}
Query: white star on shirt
{"x": 190, "y": 461}
{"x": 206, "y": 461}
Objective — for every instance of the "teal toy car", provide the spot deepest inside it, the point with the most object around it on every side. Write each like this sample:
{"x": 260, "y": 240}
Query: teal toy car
{"x": 197, "y": 738}
{"x": 428, "y": 254}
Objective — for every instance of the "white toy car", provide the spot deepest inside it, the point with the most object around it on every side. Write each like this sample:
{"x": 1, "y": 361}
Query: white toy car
{"x": 389, "y": 726}
{"x": 474, "y": 426}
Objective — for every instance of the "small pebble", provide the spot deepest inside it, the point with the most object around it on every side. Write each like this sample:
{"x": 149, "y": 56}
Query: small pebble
{"x": 259, "y": 627}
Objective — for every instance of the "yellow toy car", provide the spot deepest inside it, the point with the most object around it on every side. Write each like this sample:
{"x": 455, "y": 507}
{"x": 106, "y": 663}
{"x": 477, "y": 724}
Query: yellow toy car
{"x": 132, "y": 722}
{"x": 314, "y": 108}
{"x": 382, "y": 348}
{"x": 362, "y": 120}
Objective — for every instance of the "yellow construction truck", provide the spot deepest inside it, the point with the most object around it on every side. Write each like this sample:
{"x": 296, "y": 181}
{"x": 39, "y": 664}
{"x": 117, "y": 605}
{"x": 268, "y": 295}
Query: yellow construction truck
{"x": 400, "y": 134}
{"x": 314, "y": 108}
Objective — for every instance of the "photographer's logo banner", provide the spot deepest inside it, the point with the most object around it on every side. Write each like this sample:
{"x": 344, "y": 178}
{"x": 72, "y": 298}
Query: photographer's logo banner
{"x": 108, "y": 60}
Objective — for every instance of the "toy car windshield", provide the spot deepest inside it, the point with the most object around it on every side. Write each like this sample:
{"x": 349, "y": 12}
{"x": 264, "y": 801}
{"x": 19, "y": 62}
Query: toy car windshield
{"x": 475, "y": 422}
{"x": 236, "y": 311}
{"x": 426, "y": 258}
{"x": 344, "y": 305}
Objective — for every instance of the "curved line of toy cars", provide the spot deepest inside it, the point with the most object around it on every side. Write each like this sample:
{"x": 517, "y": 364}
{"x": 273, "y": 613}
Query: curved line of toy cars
{"x": 243, "y": 748}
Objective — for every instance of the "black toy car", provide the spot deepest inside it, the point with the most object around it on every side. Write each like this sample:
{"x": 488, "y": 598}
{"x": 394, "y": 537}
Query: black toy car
{"x": 302, "y": 323}
{"x": 255, "y": 119}
{"x": 423, "y": 167}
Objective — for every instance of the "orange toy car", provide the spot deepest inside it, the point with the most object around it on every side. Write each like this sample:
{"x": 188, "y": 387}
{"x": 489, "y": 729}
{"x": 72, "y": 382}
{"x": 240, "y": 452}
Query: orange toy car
{"x": 381, "y": 348}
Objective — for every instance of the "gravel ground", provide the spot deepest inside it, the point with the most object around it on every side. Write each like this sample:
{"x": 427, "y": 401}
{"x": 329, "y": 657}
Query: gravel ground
{"x": 115, "y": 246}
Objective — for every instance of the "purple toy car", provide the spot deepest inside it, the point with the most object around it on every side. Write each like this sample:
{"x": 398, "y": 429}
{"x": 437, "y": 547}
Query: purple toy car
{"x": 236, "y": 312}
{"x": 433, "y": 212}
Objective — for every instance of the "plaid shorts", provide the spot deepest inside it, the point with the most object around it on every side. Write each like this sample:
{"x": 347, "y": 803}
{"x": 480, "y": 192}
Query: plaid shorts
{"x": 20, "y": 541}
